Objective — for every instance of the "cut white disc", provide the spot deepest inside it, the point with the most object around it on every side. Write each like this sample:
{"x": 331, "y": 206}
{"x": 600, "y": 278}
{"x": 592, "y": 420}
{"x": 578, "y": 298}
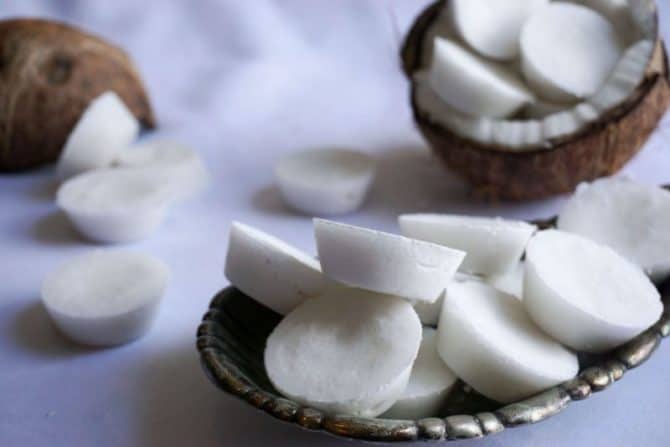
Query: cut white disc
{"x": 385, "y": 263}
{"x": 271, "y": 271}
{"x": 347, "y": 352}
{"x": 473, "y": 85}
{"x": 325, "y": 182}
{"x": 488, "y": 340}
{"x": 180, "y": 166}
{"x": 492, "y": 27}
{"x": 429, "y": 384}
{"x": 568, "y": 51}
{"x": 105, "y": 128}
{"x": 114, "y": 205}
{"x": 586, "y": 295}
{"x": 629, "y": 217}
{"x": 105, "y": 298}
{"x": 493, "y": 245}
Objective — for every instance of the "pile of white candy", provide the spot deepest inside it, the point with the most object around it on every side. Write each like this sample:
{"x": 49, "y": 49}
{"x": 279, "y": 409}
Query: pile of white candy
{"x": 521, "y": 73}
{"x": 114, "y": 190}
{"x": 352, "y": 339}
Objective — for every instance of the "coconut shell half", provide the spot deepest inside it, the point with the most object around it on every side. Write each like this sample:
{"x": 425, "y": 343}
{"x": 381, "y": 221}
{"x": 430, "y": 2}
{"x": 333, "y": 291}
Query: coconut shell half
{"x": 600, "y": 149}
{"x": 49, "y": 72}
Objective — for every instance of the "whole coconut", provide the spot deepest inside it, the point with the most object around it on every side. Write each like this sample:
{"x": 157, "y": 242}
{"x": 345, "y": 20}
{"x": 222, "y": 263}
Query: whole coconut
{"x": 49, "y": 72}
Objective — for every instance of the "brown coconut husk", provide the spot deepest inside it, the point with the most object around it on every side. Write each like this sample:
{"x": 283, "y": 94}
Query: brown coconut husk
{"x": 599, "y": 150}
{"x": 49, "y": 72}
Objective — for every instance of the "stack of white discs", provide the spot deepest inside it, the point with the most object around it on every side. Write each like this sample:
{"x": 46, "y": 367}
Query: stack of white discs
{"x": 114, "y": 191}
{"x": 351, "y": 340}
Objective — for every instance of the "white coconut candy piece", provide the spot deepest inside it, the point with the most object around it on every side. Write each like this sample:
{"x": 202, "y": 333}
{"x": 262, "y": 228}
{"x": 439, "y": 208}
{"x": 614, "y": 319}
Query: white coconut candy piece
{"x": 429, "y": 313}
{"x": 325, "y": 182}
{"x": 510, "y": 282}
{"x": 492, "y": 27}
{"x": 115, "y": 205}
{"x": 473, "y": 85}
{"x": 348, "y": 351}
{"x": 619, "y": 13}
{"x": 627, "y": 216}
{"x": 105, "y": 128}
{"x": 429, "y": 384}
{"x": 584, "y": 294}
{"x": 493, "y": 245}
{"x": 105, "y": 298}
{"x": 568, "y": 51}
{"x": 479, "y": 129}
{"x": 384, "y": 262}
{"x": 271, "y": 271}
{"x": 180, "y": 166}
{"x": 486, "y": 338}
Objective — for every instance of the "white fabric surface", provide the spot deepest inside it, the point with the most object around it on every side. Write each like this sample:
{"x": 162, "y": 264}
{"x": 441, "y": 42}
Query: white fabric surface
{"x": 244, "y": 82}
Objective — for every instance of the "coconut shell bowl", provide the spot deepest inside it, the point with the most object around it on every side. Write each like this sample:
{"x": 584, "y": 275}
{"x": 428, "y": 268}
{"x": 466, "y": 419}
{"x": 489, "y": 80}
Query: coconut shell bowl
{"x": 599, "y": 147}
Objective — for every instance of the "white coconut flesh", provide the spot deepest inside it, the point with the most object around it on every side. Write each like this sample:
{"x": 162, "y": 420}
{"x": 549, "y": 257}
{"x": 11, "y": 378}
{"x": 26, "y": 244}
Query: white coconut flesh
{"x": 271, "y": 271}
{"x": 347, "y": 352}
{"x": 105, "y": 298}
{"x": 384, "y": 262}
{"x": 105, "y": 128}
{"x": 492, "y": 28}
{"x": 487, "y": 339}
{"x": 114, "y": 205}
{"x": 627, "y": 216}
{"x": 473, "y": 85}
{"x": 568, "y": 51}
{"x": 429, "y": 313}
{"x": 325, "y": 182}
{"x": 584, "y": 294}
{"x": 541, "y": 123}
{"x": 493, "y": 245}
{"x": 180, "y": 166}
{"x": 510, "y": 282}
{"x": 429, "y": 383}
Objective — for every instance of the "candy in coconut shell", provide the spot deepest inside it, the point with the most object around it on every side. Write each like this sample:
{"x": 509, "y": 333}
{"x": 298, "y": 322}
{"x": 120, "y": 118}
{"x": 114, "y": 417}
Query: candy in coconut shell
{"x": 599, "y": 149}
{"x": 49, "y": 72}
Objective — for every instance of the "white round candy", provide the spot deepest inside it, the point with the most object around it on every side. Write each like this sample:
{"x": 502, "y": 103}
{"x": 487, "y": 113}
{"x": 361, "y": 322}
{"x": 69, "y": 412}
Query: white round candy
{"x": 383, "y": 262}
{"x": 629, "y": 217}
{"x": 178, "y": 165}
{"x": 493, "y": 245}
{"x": 474, "y": 86}
{"x": 105, "y": 128}
{"x": 586, "y": 295}
{"x": 115, "y": 205}
{"x": 105, "y": 298}
{"x": 568, "y": 51}
{"x": 347, "y": 351}
{"x": 271, "y": 271}
{"x": 492, "y": 27}
{"x": 429, "y": 384}
{"x": 325, "y": 182}
{"x": 488, "y": 340}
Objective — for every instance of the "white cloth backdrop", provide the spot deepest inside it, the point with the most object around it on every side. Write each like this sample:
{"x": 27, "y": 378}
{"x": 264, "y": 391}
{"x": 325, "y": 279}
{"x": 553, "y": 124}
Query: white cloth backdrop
{"x": 245, "y": 82}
